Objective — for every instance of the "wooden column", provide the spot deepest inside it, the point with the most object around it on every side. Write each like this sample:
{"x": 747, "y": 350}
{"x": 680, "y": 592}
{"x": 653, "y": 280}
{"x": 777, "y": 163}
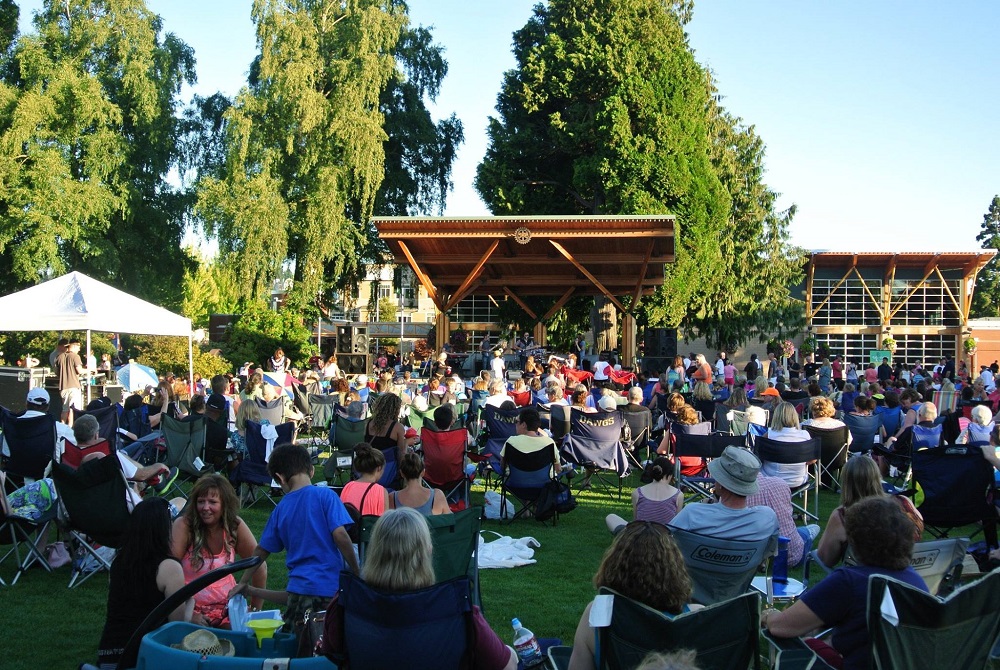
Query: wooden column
{"x": 442, "y": 326}
{"x": 628, "y": 341}
{"x": 540, "y": 333}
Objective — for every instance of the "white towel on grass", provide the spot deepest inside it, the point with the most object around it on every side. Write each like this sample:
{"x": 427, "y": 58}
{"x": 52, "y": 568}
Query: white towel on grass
{"x": 506, "y": 551}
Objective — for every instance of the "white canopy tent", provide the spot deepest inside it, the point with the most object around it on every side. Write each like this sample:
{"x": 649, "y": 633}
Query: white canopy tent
{"x": 75, "y": 301}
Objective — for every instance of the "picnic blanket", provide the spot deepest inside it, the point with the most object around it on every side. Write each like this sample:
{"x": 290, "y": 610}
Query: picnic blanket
{"x": 506, "y": 551}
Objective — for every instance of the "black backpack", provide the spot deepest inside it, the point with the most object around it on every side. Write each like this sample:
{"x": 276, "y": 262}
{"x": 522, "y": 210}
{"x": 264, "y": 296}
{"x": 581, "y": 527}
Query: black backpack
{"x": 354, "y": 532}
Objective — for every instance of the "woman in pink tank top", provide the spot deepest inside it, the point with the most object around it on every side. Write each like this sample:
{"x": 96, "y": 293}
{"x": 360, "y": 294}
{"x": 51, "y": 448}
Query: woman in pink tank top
{"x": 659, "y": 501}
{"x": 210, "y": 534}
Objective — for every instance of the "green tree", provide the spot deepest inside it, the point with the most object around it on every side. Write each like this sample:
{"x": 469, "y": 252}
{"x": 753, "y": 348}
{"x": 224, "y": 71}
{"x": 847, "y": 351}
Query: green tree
{"x": 986, "y": 298}
{"x": 88, "y": 133}
{"x": 332, "y": 128}
{"x": 605, "y": 114}
{"x": 208, "y": 289}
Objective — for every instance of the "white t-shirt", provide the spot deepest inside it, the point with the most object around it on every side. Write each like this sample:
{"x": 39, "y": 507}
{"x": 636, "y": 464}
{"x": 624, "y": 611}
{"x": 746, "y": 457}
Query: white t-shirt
{"x": 497, "y": 367}
{"x": 601, "y": 370}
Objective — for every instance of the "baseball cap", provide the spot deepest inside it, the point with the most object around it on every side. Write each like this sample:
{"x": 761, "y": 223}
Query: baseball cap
{"x": 608, "y": 403}
{"x": 216, "y": 401}
{"x": 38, "y": 396}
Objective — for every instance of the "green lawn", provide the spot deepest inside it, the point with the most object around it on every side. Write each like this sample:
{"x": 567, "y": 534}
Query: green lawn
{"x": 46, "y": 625}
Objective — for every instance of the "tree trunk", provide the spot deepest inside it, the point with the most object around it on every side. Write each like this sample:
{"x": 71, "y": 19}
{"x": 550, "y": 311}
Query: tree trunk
{"x": 604, "y": 323}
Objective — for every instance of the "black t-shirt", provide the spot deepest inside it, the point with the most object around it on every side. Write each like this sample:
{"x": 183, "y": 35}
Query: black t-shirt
{"x": 811, "y": 369}
{"x": 884, "y": 372}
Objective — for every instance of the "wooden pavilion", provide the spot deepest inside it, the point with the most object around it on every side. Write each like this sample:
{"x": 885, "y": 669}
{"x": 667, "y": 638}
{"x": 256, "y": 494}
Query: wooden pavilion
{"x": 518, "y": 256}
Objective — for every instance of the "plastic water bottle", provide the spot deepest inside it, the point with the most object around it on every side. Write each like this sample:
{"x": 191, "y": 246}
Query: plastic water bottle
{"x": 780, "y": 574}
{"x": 526, "y": 645}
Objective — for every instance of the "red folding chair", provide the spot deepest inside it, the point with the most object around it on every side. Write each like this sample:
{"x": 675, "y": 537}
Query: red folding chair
{"x": 444, "y": 463}
{"x": 520, "y": 398}
{"x": 73, "y": 455}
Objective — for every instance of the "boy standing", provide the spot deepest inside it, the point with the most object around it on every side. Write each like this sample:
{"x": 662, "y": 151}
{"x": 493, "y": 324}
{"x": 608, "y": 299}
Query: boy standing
{"x": 308, "y": 524}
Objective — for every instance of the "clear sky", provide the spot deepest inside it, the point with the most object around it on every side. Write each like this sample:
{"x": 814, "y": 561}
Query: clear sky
{"x": 879, "y": 117}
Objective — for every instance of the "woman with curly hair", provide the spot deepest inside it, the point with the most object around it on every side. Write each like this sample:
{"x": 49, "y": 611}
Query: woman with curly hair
{"x": 644, "y": 564}
{"x": 881, "y": 536}
{"x": 209, "y": 534}
{"x": 384, "y": 431}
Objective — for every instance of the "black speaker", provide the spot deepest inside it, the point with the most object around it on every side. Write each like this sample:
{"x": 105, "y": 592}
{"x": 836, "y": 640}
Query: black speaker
{"x": 352, "y": 340}
{"x": 660, "y": 342}
{"x": 656, "y": 364}
{"x": 353, "y": 364}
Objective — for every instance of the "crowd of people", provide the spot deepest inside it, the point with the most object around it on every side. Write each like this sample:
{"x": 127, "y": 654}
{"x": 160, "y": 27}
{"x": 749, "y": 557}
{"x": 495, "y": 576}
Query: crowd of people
{"x": 179, "y": 540}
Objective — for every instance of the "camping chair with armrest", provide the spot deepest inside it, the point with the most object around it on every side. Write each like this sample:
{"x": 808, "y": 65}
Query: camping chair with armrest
{"x": 640, "y": 427}
{"x": 272, "y": 411}
{"x": 694, "y": 465}
{"x": 136, "y": 420}
{"x": 721, "y": 418}
{"x": 864, "y": 430}
{"x": 426, "y": 629}
{"x": 95, "y": 500}
{"x": 526, "y": 477}
{"x": 702, "y": 447}
{"x": 958, "y": 487}
{"x": 344, "y": 436}
{"x": 723, "y": 635}
{"x": 595, "y": 443}
{"x": 185, "y": 443}
{"x": 806, "y": 452}
{"x": 32, "y": 445}
{"x": 107, "y": 420}
{"x": 721, "y": 569}
{"x": 477, "y": 400}
{"x": 559, "y": 424}
{"x": 323, "y": 410}
{"x": 73, "y": 455}
{"x": 456, "y": 547}
{"x": 833, "y": 453}
{"x": 500, "y": 426}
{"x": 444, "y": 462}
{"x": 417, "y": 419}
{"x": 520, "y": 398}
{"x": 891, "y": 418}
{"x": 252, "y": 470}
{"x": 22, "y": 535}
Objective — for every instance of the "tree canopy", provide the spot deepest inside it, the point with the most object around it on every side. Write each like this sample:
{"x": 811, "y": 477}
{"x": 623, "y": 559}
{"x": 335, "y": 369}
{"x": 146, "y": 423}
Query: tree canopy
{"x": 88, "y": 134}
{"x": 986, "y": 299}
{"x": 331, "y": 128}
{"x": 608, "y": 112}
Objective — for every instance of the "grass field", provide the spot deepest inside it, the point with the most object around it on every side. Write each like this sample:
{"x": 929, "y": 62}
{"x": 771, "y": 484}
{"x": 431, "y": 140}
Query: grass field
{"x": 47, "y": 625}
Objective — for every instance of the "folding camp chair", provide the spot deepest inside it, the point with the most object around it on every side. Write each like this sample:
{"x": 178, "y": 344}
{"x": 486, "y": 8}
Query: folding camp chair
{"x": 22, "y": 535}
{"x": 95, "y": 500}
{"x": 520, "y": 398}
{"x": 444, "y": 462}
{"x": 958, "y": 487}
{"x": 456, "y": 547}
{"x": 595, "y": 443}
{"x": 417, "y": 419}
{"x": 891, "y": 418}
{"x": 526, "y": 477}
{"x": 185, "y": 443}
{"x": 808, "y": 452}
{"x": 959, "y": 631}
{"x": 740, "y": 424}
{"x": 864, "y": 430}
{"x": 500, "y": 426}
{"x": 344, "y": 436}
{"x": 640, "y": 427}
{"x": 559, "y": 422}
{"x": 272, "y": 411}
{"x": 252, "y": 470}
{"x": 833, "y": 453}
{"x": 107, "y": 420}
{"x": 31, "y": 442}
{"x": 323, "y": 410}
{"x": 721, "y": 569}
{"x": 703, "y": 447}
{"x": 723, "y": 635}
{"x": 694, "y": 466}
{"x": 477, "y": 400}
{"x": 425, "y": 629}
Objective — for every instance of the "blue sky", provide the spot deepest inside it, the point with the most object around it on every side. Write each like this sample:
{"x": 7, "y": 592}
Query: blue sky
{"x": 878, "y": 116}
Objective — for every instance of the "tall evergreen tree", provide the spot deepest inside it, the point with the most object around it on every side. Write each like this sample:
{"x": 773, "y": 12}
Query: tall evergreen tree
{"x": 88, "y": 134}
{"x": 607, "y": 112}
{"x": 986, "y": 299}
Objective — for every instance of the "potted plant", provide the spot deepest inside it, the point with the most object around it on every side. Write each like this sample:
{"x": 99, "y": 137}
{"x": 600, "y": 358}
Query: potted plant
{"x": 889, "y": 344}
{"x": 970, "y": 344}
{"x": 787, "y": 348}
{"x": 808, "y": 345}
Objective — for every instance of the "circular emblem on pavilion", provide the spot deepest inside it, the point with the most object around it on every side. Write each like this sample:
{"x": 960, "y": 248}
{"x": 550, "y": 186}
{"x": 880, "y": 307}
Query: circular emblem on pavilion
{"x": 522, "y": 235}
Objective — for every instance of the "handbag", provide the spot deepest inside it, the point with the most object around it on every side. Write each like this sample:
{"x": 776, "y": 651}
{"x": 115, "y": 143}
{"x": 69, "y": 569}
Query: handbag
{"x": 57, "y": 555}
{"x": 312, "y": 633}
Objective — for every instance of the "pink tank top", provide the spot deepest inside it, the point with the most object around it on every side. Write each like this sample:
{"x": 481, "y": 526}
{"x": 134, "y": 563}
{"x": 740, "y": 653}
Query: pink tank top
{"x": 659, "y": 511}
{"x": 212, "y": 601}
{"x": 374, "y": 501}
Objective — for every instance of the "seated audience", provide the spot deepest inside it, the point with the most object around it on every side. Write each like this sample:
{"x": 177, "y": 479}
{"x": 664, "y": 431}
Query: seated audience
{"x": 785, "y": 428}
{"x": 384, "y": 430}
{"x": 658, "y": 501}
{"x": 979, "y": 429}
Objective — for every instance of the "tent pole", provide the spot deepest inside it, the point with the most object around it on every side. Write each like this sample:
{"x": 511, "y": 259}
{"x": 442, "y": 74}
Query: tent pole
{"x": 190, "y": 364}
{"x": 86, "y": 357}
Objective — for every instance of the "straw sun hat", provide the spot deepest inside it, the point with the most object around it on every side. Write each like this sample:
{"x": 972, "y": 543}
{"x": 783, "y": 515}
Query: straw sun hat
{"x": 206, "y": 643}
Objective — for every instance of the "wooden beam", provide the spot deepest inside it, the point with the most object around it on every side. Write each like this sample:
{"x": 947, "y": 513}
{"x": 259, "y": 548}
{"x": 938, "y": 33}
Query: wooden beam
{"x": 624, "y": 284}
{"x": 909, "y": 295}
{"x": 586, "y": 273}
{"x": 947, "y": 289}
{"x": 637, "y": 293}
{"x": 513, "y": 296}
{"x": 559, "y": 304}
{"x": 864, "y": 285}
{"x": 535, "y": 234}
{"x": 830, "y": 294}
{"x": 473, "y": 275}
{"x": 809, "y": 288}
{"x": 931, "y": 264}
{"x": 421, "y": 276}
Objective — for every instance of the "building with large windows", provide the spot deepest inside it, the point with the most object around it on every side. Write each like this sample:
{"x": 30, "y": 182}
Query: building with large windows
{"x": 853, "y": 301}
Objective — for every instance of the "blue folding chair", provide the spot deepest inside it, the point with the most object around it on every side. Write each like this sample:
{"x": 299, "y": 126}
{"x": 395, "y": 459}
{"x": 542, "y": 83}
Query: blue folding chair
{"x": 595, "y": 443}
{"x": 31, "y": 443}
{"x": 525, "y": 477}
{"x": 252, "y": 470}
{"x": 500, "y": 427}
